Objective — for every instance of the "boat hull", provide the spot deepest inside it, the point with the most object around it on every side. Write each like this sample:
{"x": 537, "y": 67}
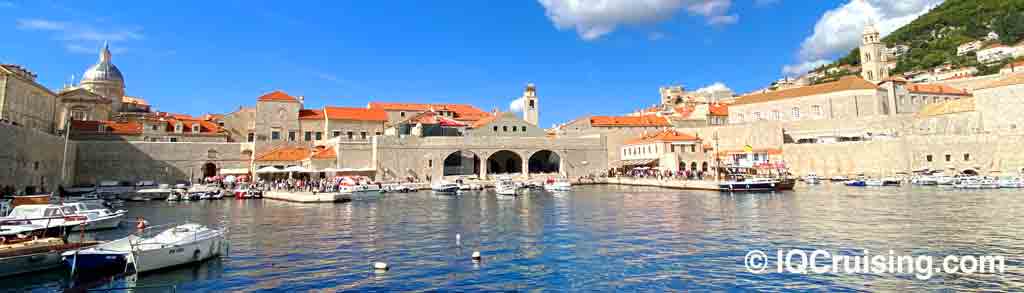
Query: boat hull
{"x": 16, "y": 265}
{"x": 752, "y": 186}
{"x": 166, "y": 257}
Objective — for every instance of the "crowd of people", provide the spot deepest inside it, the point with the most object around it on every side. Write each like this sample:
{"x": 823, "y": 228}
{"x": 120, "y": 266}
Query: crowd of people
{"x": 652, "y": 173}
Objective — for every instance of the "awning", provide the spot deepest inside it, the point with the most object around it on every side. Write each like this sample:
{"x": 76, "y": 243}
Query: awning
{"x": 268, "y": 169}
{"x": 638, "y": 162}
{"x": 234, "y": 171}
{"x": 336, "y": 170}
{"x": 299, "y": 169}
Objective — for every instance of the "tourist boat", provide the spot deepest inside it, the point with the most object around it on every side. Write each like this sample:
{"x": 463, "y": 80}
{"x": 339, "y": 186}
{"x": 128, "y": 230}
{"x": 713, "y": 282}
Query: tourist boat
{"x": 98, "y": 217}
{"x": 26, "y": 247}
{"x": 560, "y": 184}
{"x": 1010, "y": 182}
{"x": 506, "y": 187}
{"x": 444, "y": 186}
{"x": 971, "y": 182}
{"x": 891, "y": 181}
{"x": 46, "y": 215}
{"x": 812, "y": 178}
{"x": 924, "y": 180}
{"x": 398, "y": 187}
{"x": 160, "y": 193}
{"x": 752, "y": 184}
{"x": 178, "y": 245}
{"x": 839, "y": 178}
{"x": 944, "y": 180}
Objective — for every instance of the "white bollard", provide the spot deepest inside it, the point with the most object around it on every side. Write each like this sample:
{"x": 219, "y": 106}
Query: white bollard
{"x": 476, "y": 256}
{"x": 458, "y": 239}
{"x": 380, "y": 266}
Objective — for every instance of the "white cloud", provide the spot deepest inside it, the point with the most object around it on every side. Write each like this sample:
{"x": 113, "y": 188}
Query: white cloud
{"x": 73, "y": 34}
{"x": 517, "y": 105}
{"x": 714, "y": 87}
{"x": 839, "y": 30}
{"x": 593, "y": 19}
{"x": 803, "y": 67}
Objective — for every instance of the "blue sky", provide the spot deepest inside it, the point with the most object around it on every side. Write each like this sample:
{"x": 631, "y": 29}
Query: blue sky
{"x": 213, "y": 56}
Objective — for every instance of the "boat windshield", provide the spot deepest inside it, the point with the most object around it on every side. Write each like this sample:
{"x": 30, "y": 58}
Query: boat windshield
{"x": 93, "y": 206}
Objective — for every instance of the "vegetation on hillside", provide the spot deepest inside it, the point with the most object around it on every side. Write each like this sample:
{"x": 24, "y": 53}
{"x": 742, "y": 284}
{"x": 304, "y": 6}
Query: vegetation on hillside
{"x": 934, "y": 37}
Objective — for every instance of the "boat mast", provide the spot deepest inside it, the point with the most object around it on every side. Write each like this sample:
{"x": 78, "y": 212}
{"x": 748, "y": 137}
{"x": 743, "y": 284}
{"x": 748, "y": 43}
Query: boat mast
{"x": 64, "y": 159}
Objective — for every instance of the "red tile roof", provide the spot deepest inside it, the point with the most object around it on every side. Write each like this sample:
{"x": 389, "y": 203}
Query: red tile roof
{"x": 324, "y": 153}
{"x": 277, "y": 96}
{"x": 359, "y": 114}
{"x": 685, "y": 111}
{"x": 663, "y": 136}
{"x": 940, "y": 89}
{"x": 205, "y": 126}
{"x": 134, "y": 100}
{"x": 484, "y": 121}
{"x": 462, "y": 112}
{"x": 311, "y": 114}
{"x": 284, "y": 154}
{"x": 718, "y": 109}
{"x": 111, "y": 127}
{"x": 628, "y": 121}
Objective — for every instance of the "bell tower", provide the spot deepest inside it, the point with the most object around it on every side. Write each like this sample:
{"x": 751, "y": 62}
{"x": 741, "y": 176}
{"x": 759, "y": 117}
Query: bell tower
{"x": 872, "y": 56}
{"x": 530, "y": 107}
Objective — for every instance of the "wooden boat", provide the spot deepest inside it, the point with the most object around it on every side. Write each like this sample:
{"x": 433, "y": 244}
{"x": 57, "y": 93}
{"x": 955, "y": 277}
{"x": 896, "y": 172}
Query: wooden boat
{"x": 30, "y": 199}
{"x": 25, "y": 247}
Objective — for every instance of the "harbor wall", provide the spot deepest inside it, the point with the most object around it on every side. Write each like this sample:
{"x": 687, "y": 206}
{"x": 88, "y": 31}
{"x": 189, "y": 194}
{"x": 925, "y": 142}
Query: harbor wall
{"x": 32, "y": 159}
{"x": 163, "y": 162}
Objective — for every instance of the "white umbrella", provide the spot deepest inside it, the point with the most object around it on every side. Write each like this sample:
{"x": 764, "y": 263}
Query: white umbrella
{"x": 268, "y": 169}
{"x": 229, "y": 178}
{"x": 299, "y": 169}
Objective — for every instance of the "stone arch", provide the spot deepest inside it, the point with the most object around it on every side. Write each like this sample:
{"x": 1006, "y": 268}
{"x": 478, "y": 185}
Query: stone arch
{"x": 545, "y": 161}
{"x": 504, "y": 162}
{"x": 704, "y": 166}
{"x": 461, "y": 163}
{"x": 693, "y": 166}
{"x": 209, "y": 170}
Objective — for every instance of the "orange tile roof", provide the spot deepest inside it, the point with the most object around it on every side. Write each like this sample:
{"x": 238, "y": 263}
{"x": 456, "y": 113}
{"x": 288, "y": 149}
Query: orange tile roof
{"x": 846, "y": 83}
{"x": 484, "y": 121}
{"x": 211, "y": 117}
{"x": 277, "y": 96}
{"x": 940, "y": 89}
{"x": 663, "y": 136}
{"x": 134, "y": 100}
{"x": 463, "y": 112}
{"x": 205, "y": 126}
{"x": 111, "y": 127}
{"x": 360, "y": 114}
{"x": 311, "y": 114}
{"x": 685, "y": 111}
{"x": 718, "y": 109}
{"x": 322, "y": 153}
{"x": 284, "y": 154}
{"x": 628, "y": 121}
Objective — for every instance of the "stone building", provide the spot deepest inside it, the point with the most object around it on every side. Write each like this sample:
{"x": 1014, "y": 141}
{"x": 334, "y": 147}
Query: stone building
{"x": 873, "y": 57}
{"x": 667, "y": 150}
{"x": 911, "y": 97}
{"x": 849, "y": 97}
{"x": 25, "y": 102}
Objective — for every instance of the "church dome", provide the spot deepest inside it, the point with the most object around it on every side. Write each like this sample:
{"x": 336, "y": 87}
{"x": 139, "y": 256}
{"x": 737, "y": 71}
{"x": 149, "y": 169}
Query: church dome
{"x": 104, "y": 71}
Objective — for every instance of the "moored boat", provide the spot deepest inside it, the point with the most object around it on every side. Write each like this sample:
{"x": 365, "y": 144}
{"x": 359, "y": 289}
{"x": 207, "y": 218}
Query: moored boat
{"x": 559, "y": 184}
{"x": 26, "y": 248}
{"x": 444, "y": 186}
{"x": 177, "y": 245}
{"x": 97, "y": 217}
{"x": 506, "y": 187}
{"x": 751, "y": 184}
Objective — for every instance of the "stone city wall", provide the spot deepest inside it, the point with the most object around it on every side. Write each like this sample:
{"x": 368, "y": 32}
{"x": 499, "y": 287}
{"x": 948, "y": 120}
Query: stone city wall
{"x": 164, "y": 162}
{"x": 32, "y": 158}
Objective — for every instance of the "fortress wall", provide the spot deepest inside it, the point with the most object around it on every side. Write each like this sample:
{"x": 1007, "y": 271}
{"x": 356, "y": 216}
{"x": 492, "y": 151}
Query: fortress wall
{"x": 164, "y": 162}
{"x": 32, "y": 158}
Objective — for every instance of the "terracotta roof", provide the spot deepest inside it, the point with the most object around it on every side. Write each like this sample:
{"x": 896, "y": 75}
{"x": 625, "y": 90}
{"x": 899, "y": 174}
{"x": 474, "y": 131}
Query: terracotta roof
{"x": 134, "y": 100}
{"x": 311, "y": 114}
{"x": 718, "y": 109}
{"x": 628, "y": 121}
{"x": 846, "y": 83}
{"x": 947, "y": 107}
{"x": 111, "y": 127}
{"x": 284, "y": 154}
{"x": 663, "y": 136}
{"x": 277, "y": 96}
{"x": 324, "y": 153}
{"x": 205, "y": 126}
{"x": 895, "y": 79}
{"x": 360, "y": 114}
{"x": 940, "y": 89}
{"x": 483, "y": 121}
{"x": 462, "y": 112}
{"x": 211, "y": 117}
{"x": 684, "y": 111}
{"x": 1011, "y": 79}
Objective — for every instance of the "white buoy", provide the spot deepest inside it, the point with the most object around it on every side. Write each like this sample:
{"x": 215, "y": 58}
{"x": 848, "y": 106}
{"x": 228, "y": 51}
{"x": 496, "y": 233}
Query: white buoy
{"x": 458, "y": 239}
{"x": 380, "y": 266}
{"x": 476, "y": 256}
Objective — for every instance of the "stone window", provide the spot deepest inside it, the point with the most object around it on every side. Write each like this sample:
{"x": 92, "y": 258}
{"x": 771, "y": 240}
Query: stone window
{"x": 816, "y": 110}
{"x": 796, "y": 113}
{"x": 928, "y": 158}
{"x": 504, "y": 128}
{"x": 967, "y": 157}
{"x": 756, "y": 116}
{"x": 275, "y": 135}
{"x": 319, "y": 135}
{"x": 430, "y": 163}
{"x": 776, "y": 115}
{"x": 251, "y": 137}
{"x": 349, "y": 134}
{"x": 739, "y": 118}
{"x": 291, "y": 136}
{"x": 308, "y": 135}
{"x": 155, "y": 127}
{"x": 174, "y": 139}
{"x": 402, "y": 114}
{"x": 495, "y": 128}
{"x": 949, "y": 157}
{"x": 363, "y": 134}
{"x": 79, "y": 115}
{"x": 195, "y": 128}
{"x": 336, "y": 133}
{"x": 36, "y": 165}
{"x": 377, "y": 133}
{"x": 177, "y": 127}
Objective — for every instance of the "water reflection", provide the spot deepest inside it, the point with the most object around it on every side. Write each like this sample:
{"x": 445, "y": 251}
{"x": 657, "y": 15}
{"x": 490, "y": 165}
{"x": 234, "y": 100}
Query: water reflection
{"x": 600, "y": 238}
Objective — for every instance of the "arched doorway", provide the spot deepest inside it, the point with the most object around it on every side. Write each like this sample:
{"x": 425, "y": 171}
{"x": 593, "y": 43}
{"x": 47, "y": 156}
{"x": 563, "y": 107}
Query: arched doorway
{"x": 504, "y": 162}
{"x": 969, "y": 172}
{"x": 682, "y": 165}
{"x": 544, "y": 161}
{"x": 704, "y": 166}
{"x": 461, "y": 163}
{"x": 693, "y": 166}
{"x": 209, "y": 170}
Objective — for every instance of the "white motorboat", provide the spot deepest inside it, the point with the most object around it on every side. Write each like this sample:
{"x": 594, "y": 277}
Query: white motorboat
{"x": 973, "y": 182}
{"x": 924, "y": 180}
{"x": 46, "y": 215}
{"x": 109, "y": 189}
{"x": 444, "y": 186}
{"x": 507, "y": 187}
{"x": 811, "y": 178}
{"x": 178, "y": 245}
{"x": 560, "y": 184}
{"x": 160, "y": 193}
{"x": 97, "y": 216}
{"x": 891, "y": 181}
{"x": 944, "y": 180}
{"x": 1010, "y": 182}
{"x": 839, "y": 178}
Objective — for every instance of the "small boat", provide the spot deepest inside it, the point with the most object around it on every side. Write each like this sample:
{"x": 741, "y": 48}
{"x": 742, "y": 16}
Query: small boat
{"x": 506, "y": 187}
{"x": 26, "y": 248}
{"x": 97, "y": 217}
{"x": 741, "y": 184}
{"x": 888, "y": 181}
{"x": 839, "y": 178}
{"x": 173, "y": 197}
{"x": 924, "y": 180}
{"x": 972, "y": 182}
{"x": 560, "y": 184}
{"x": 160, "y": 193}
{"x": 79, "y": 189}
{"x": 812, "y": 178}
{"x": 178, "y": 245}
{"x": 46, "y": 215}
{"x": 855, "y": 182}
{"x": 874, "y": 182}
{"x": 1010, "y": 182}
{"x": 444, "y": 186}
{"x": 944, "y": 180}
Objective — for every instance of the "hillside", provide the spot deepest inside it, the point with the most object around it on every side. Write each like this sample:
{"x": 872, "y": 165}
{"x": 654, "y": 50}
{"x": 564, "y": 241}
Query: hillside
{"x": 933, "y": 38}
